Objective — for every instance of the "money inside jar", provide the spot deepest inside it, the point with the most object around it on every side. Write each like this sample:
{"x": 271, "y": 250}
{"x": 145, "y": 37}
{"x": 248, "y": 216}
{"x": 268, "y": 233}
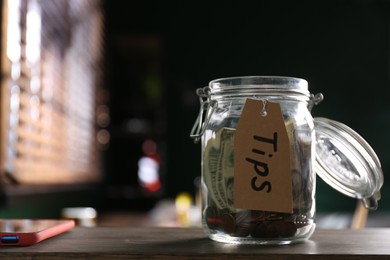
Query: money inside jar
{"x": 220, "y": 215}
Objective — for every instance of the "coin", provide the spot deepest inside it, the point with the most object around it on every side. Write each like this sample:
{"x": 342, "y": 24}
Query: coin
{"x": 211, "y": 218}
{"x": 287, "y": 229}
{"x": 274, "y": 229}
{"x": 242, "y": 229}
{"x": 228, "y": 223}
{"x": 243, "y": 223}
{"x": 260, "y": 230}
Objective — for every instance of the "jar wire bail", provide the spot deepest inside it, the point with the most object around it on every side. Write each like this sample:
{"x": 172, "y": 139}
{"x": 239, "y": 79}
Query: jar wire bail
{"x": 207, "y": 107}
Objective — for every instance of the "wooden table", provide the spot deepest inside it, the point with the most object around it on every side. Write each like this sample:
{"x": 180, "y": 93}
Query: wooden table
{"x": 175, "y": 243}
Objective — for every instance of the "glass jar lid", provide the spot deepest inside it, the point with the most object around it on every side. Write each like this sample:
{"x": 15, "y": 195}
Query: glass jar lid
{"x": 345, "y": 161}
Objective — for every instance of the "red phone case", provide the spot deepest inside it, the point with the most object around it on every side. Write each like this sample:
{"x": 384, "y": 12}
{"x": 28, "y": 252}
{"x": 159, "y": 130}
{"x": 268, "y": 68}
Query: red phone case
{"x": 51, "y": 228}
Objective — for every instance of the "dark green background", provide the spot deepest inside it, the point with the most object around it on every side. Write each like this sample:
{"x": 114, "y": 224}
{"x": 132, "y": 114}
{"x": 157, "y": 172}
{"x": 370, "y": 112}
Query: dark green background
{"x": 159, "y": 52}
{"x": 340, "y": 47}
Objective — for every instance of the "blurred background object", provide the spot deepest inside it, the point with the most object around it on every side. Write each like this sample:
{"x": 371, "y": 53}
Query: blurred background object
{"x": 83, "y": 216}
{"x": 52, "y": 102}
{"x": 98, "y": 97}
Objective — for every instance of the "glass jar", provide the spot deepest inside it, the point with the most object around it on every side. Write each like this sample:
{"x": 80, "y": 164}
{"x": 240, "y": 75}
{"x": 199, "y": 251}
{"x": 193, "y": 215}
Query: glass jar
{"x": 222, "y": 104}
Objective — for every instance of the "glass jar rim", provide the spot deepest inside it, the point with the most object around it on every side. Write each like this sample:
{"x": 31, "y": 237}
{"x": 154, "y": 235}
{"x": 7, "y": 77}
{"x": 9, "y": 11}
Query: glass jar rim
{"x": 278, "y": 84}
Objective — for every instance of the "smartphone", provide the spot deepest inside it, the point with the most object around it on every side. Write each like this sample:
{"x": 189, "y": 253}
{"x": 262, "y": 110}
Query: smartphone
{"x": 24, "y": 232}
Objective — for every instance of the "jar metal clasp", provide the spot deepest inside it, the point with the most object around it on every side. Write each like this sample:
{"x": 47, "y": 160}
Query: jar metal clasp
{"x": 315, "y": 100}
{"x": 207, "y": 107}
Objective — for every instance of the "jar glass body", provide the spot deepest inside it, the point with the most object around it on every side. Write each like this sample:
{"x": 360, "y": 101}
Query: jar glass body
{"x": 221, "y": 220}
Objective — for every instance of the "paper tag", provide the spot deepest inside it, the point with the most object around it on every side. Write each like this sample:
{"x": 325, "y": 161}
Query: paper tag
{"x": 262, "y": 174}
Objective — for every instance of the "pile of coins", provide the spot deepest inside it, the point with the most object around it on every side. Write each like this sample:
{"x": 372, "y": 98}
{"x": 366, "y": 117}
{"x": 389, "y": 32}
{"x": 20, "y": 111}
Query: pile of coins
{"x": 254, "y": 223}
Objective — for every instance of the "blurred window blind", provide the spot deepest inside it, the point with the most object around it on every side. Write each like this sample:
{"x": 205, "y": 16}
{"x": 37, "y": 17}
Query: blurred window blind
{"x": 52, "y": 76}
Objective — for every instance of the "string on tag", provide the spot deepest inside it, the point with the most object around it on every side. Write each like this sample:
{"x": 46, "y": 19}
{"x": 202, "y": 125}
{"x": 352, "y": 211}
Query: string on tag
{"x": 264, "y": 110}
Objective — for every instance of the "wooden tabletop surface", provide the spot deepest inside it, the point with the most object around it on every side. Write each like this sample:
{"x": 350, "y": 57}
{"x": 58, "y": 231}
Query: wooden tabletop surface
{"x": 176, "y": 243}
